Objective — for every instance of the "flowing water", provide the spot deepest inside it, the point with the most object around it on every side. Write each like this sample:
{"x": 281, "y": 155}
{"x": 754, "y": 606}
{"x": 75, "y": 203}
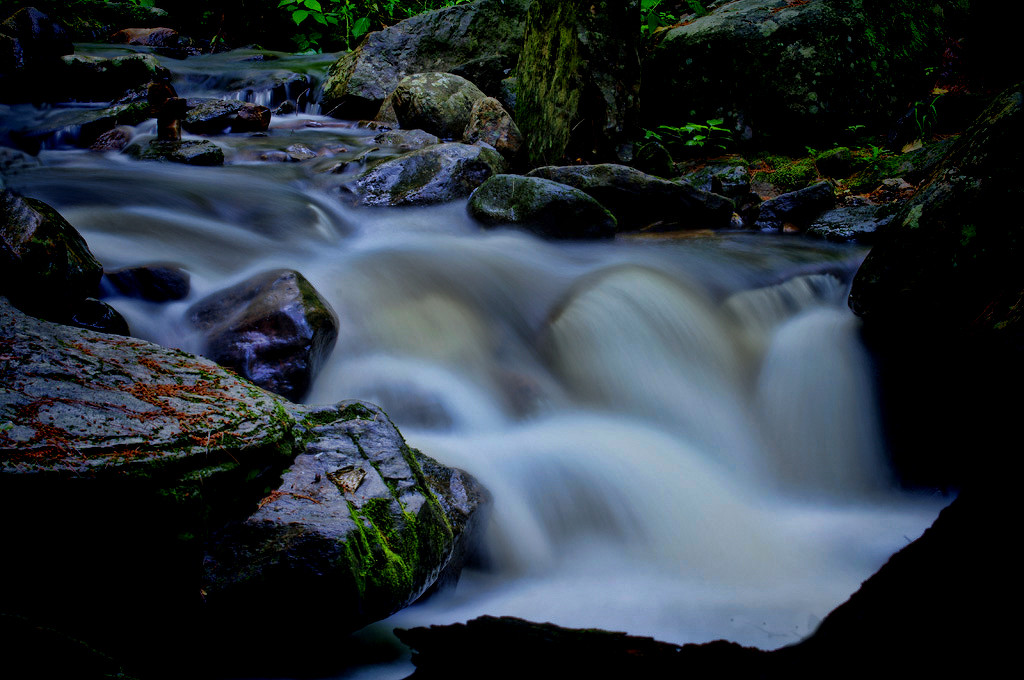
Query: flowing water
{"x": 680, "y": 434}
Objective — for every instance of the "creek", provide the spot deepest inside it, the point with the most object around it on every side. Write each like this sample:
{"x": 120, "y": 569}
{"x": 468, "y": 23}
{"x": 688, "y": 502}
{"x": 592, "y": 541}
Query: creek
{"x": 680, "y": 433}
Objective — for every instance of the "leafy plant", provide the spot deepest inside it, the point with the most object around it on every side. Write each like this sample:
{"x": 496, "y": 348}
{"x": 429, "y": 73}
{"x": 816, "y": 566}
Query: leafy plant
{"x": 711, "y": 134}
{"x": 925, "y": 116}
{"x": 651, "y": 19}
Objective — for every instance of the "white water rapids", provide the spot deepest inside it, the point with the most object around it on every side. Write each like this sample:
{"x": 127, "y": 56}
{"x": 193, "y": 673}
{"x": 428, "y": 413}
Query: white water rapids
{"x": 680, "y": 435}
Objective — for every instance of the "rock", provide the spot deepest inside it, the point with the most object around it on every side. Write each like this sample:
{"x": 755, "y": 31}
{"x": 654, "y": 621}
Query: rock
{"x": 952, "y": 257}
{"x": 113, "y": 140}
{"x": 406, "y": 140}
{"x": 274, "y": 328}
{"x": 441, "y": 40}
{"x": 579, "y": 81}
{"x": 843, "y": 225}
{"x": 299, "y": 153}
{"x": 46, "y": 267}
{"x": 654, "y": 158}
{"x": 439, "y": 103}
{"x": 836, "y": 163}
{"x": 151, "y": 37}
{"x": 796, "y": 71}
{"x": 187, "y": 151}
{"x": 205, "y": 116}
{"x": 489, "y": 123}
{"x": 97, "y": 79}
{"x": 13, "y": 161}
{"x": 639, "y": 200}
{"x": 153, "y": 282}
{"x": 359, "y": 512}
{"x": 95, "y": 315}
{"x": 797, "y": 208}
{"x": 92, "y": 424}
{"x": 30, "y": 38}
{"x": 543, "y": 207}
{"x": 436, "y": 174}
{"x": 731, "y": 180}
{"x": 488, "y": 71}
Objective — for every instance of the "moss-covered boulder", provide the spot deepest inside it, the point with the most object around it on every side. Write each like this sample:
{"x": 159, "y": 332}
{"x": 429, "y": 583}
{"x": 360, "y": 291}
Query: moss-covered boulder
{"x": 273, "y": 328}
{"x": 185, "y": 151}
{"x": 96, "y": 79}
{"x": 579, "y": 81}
{"x": 639, "y": 200}
{"x": 439, "y": 103}
{"x": 954, "y": 255}
{"x": 189, "y": 503}
{"x": 797, "y": 70}
{"x": 543, "y": 207}
{"x": 441, "y": 40}
{"x": 46, "y": 267}
{"x": 358, "y": 509}
{"x": 797, "y": 209}
{"x": 435, "y": 174}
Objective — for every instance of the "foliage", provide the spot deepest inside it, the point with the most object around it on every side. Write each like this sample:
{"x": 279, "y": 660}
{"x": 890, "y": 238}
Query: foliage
{"x": 925, "y": 115}
{"x": 651, "y": 18}
{"x": 692, "y": 135}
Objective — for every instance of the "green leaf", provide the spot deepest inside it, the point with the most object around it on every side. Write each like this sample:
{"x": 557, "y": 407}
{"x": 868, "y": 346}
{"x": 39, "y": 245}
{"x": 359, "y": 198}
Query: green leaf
{"x": 285, "y": 2}
{"x": 313, "y": 5}
{"x": 320, "y": 18}
{"x": 331, "y": 19}
{"x": 716, "y": 121}
{"x": 299, "y": 15}
{"x": 360, "y": 27}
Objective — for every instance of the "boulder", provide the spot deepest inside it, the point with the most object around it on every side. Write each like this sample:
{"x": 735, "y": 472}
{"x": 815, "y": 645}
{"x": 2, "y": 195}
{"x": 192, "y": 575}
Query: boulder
{"x": 115, "y": 139}
{"x": 186, "y": 151}
{"x": 99, "y": 79}
{"x": 153, "y": 282}
{"x": 274, "y": 328}
{"x": 797, "y": 208}
{"x": 543, "y": 207}
{"x": 96, "y": 315}
{"x": 857, "y": 224}
{"x": 205, "y": 116}
{"x": 639, "y": 200}
{"x": 150, "y": 37}
{"x": 953, "y": 255}
{"x": 796, "y": 70}
{"x": 406, "y": 140}
{"x": 80, "y": 126}
{"x": 107, "y": 441}
{"x": 441, "y": 40}
{"x": 30, "y": 38}
{"x": 836, "y": 163}
{"x": 46, "y": 267}
{"x": 490, "y": 124}
{"x": 358, "y": 510}
{"x": 436, "y": 174}
{"x": 729, "y": 179}
{"x": 439, "y": 103}
{"x": 579, "y": 81}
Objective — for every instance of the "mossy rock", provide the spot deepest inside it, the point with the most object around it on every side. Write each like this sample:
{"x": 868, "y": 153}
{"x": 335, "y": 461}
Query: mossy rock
{"x": 185, "y": 151}
{"x": 784, "y": 173}
{"x": 541, "y": 206}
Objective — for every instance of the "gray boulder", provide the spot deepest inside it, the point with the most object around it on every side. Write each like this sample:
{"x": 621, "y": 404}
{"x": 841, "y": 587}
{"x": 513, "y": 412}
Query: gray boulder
{"x": 639, "y": 200}
{"x": 274, "y": 328}
{"x": 441, "y": 40}
{"x": 543, "y": 207}
{"x": 858, "y": 224}
{"x": 436, "y": 174}
{"x": 796, "y": 70}
{"x": 439, "y": 103}
{"x": 797, "y": 208}
{"x": 579, "y": 81}
{"x": 406, "y": 140}
{"x": 205, "y": 116}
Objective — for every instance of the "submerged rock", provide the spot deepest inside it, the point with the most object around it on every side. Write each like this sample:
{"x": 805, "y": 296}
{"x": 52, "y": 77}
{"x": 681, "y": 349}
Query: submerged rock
{"x": 540, "y": 206}
{"x": 439, "y": 103}
{"x": 436, "y": 174}
{"x": 639, "y": 200}
{"x": 187, "y": 151}
{"x": 441, "y": 40}
{"x": 153, "y": 282}
{"x": 274, "y": 328}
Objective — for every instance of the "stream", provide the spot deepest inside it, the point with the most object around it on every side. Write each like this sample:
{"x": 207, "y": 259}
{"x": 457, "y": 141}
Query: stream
{"x": 680, "y": 432}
